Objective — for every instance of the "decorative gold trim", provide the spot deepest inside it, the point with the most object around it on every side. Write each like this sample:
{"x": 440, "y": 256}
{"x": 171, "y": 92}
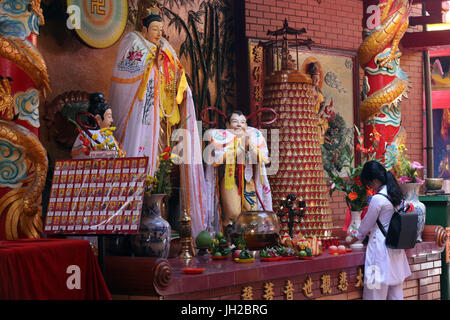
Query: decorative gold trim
{"x": 22, "y": 205}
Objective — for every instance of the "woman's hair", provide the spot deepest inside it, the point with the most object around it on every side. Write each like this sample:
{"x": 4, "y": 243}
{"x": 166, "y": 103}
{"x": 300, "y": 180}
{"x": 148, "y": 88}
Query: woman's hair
{"x": 98, "y": 105}
{"x": 374, "y": 170}
{"x": 150, "y": 18}
{"x": 96, "y": 97}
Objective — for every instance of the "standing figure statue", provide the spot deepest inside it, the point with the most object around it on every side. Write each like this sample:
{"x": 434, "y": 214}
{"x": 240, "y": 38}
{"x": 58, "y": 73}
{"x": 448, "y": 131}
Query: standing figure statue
{"x": 150, "y": 98}
{"x": 236, "y": 173}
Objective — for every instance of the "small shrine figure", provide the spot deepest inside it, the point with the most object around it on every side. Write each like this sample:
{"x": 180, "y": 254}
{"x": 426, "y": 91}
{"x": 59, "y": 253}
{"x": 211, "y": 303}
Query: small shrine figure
{"x": 324, "y": 112}
{"x": 241, "y": 153}
{"x": 97, "y": 134}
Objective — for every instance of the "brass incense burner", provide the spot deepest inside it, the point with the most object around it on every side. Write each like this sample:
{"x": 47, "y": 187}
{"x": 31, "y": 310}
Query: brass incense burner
{"x": 259, "y": 229}
{"x": 185, "y": 236}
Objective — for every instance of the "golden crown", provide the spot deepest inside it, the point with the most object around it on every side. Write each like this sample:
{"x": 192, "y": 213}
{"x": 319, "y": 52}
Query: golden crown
{"x": 154, "y": 8}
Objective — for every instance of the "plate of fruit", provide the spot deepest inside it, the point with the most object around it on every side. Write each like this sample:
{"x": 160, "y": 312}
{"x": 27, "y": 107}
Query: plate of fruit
{"x": 269, "y": 254}
{"x": 338, "y": 250}
{"x": 244, "y": 257}
{"x": 305, "y": 253}
{"x": 286, "y": 253}
{"x": 218, "y": 247}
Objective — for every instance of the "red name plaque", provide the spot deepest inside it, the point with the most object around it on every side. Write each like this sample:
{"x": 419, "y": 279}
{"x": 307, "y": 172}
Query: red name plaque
{"x": 96, "y": 196}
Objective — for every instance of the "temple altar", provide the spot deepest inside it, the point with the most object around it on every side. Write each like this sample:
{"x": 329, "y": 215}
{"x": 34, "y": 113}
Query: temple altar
{"x": 128, "y": 278}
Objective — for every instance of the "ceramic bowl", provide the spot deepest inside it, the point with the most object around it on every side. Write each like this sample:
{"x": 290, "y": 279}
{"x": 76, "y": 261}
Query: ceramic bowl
{"x": 434, "y": 183}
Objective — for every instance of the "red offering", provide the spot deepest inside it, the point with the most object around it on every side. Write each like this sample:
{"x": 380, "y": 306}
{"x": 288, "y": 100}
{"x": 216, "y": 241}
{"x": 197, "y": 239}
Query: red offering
{"x": 287, "y": 258}
{"x": 305, "y": 258}
{"x": 193, "y": 270}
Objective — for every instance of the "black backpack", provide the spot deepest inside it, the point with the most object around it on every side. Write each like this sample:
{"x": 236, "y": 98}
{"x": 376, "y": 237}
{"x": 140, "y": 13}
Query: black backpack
{"x": 402, "y": 231}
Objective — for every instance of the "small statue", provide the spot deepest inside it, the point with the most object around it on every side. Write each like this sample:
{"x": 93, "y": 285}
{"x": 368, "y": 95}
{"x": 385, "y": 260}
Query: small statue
{"x": 323, "y": 112}
{"x": 96, "y": 134}
{"x": 241, "y": 153}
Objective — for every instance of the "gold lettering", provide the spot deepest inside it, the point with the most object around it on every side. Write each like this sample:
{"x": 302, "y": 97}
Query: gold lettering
{"x": 247, "y": 293}
{"x": 325, "y": 284}
{"x": 307, "y": 287}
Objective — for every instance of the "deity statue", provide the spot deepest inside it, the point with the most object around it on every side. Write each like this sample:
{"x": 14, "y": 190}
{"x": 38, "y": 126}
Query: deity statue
{"x": 23, "y": 159}
{"x": 97, "y": 133}
{"x": 150, "y": 97}
{"x": 312, "y": 67}
{"x": 236, "y": 173}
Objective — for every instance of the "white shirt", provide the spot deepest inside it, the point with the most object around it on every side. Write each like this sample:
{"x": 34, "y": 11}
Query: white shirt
{"x": 382, "y": 265}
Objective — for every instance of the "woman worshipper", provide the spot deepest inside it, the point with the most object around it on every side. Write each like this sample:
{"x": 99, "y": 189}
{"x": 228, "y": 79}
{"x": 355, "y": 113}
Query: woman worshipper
{"x": 385, "y": 269}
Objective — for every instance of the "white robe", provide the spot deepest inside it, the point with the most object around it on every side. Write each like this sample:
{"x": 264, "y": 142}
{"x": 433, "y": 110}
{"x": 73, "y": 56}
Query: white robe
{"x": 220, "y": 141}
{"x": 383, "y": 265}
{"x": 138, "y": 121}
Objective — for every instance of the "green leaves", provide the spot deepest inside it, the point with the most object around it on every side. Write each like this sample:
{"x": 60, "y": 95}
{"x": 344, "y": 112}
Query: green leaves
{"x": 347, "y": 180}
{"x": 209, "y": 48}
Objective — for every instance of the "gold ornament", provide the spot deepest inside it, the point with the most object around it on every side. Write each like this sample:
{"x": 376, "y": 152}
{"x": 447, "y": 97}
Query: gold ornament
{"x": 22, "y": 205}
{"x": 6, "y": 100}
{"x": 26, "y": 57}
{"x": 185, "y": 236}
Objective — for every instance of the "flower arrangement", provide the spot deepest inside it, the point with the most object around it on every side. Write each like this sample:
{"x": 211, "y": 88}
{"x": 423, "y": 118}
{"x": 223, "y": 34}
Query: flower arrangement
{"x": 109, "y": 142}
{"x": 356, "y": 194}
{"x": 160, "y": 182}
{"x": 406, "y": 171}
